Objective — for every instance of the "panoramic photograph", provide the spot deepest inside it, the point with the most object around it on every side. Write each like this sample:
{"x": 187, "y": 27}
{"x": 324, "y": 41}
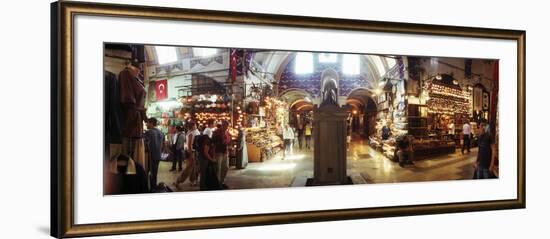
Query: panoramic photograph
{"x": 186, "y": 118}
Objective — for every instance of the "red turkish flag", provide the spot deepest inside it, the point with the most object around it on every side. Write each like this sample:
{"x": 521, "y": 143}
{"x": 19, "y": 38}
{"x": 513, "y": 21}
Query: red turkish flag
{"x": 161, "y": 89}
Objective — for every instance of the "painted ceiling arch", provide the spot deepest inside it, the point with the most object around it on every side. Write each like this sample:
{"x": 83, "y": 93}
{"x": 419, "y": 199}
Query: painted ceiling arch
{"x": 273, "y": 65}
{"x": 372, "y": 71}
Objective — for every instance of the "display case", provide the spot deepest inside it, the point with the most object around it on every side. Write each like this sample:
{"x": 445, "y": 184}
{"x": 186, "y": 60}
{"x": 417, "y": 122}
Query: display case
{"x": 417, "y": 120}
{"x": 429, "y": 147}
{"x": 262, "y": 143}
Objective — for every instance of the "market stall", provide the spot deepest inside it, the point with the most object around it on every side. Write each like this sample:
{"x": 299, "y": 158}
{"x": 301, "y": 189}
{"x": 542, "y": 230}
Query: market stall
{"x": 263, "y": 134}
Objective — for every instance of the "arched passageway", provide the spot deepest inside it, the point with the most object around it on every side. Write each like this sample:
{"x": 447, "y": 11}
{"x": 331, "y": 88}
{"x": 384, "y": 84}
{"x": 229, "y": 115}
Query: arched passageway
{"x": 363, "y": 112}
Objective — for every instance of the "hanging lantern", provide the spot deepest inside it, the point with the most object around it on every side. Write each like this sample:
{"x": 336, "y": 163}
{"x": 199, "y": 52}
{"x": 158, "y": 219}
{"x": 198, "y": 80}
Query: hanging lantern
{"x": 213, "y": 98}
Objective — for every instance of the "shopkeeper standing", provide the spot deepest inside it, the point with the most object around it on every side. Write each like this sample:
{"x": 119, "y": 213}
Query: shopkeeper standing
{"x": 451, "y": 129}
{"x": 466, "y": 135}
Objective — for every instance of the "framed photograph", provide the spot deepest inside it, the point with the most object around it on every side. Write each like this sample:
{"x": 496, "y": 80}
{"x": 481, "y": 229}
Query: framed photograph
{"x": 151, "y": 106}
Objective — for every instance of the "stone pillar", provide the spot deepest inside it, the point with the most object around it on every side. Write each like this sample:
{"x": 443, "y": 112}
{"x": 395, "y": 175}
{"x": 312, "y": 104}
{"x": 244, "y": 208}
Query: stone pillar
{"x": 330, "y": 131}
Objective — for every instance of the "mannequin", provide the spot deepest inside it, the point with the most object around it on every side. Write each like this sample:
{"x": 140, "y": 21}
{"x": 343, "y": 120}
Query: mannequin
{"x": 132, "y": 100}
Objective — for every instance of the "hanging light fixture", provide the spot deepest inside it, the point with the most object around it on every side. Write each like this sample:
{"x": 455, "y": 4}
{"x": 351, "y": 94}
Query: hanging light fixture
{"x": 213, "y": 98}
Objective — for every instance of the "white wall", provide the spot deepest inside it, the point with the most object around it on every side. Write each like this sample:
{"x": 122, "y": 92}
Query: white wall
{"x": 25, "y": 174}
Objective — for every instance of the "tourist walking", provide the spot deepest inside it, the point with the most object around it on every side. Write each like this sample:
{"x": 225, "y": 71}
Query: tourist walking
{"x": 221, "y": 140}
{"x": 154, "y": 139}
{"x": 288, "y": 137}
{"x": 485, "y": 162}
{"x": 190, "y": 170}
{"x": 307, "y": 134}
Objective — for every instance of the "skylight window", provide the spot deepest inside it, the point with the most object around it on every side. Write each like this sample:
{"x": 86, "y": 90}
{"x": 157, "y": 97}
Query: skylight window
{"x": 166, "y": 54}
{"x": 391, "y": 62}
{"x": 327, "y": 57}
{"x": 304, "y": 63}
{"x": 351, "y": 64}
{"x": 204, "y": 52}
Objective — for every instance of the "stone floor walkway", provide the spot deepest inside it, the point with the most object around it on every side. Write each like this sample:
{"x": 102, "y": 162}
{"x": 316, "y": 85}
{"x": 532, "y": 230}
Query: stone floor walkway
{"x": 365, "y": 165}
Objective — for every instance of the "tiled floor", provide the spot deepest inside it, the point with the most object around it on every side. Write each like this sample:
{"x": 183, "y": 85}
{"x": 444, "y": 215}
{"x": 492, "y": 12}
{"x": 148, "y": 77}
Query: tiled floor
{"x": 365, "y": 165}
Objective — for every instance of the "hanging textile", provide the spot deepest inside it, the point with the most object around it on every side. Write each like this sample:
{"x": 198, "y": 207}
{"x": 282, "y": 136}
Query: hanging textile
{"x": 494, "y": 100}
{"x": 113, "y": 110}
{"x": 132, "y": 99}
{"x": 233, "y": 55}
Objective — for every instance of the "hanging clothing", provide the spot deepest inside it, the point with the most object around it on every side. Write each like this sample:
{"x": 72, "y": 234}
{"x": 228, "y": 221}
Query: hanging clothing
{"x": 132, "y": 99}
{"x": 113, "y": 110}
{"x": 125, "y": 176}
{"x": 114, "y": 149}
{"x": 135, "y": 148}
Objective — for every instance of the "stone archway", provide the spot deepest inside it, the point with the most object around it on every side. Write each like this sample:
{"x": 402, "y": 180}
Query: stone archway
{"x": 363, "y": 111}
{"x": 300, "y": 103}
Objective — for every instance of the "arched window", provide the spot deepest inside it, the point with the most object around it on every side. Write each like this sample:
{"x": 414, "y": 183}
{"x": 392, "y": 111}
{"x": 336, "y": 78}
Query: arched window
{"x": 304, "y": 63}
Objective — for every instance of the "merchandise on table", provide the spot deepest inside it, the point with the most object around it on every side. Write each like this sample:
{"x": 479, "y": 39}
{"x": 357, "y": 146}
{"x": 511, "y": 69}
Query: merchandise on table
{"x": 262, "y": 143}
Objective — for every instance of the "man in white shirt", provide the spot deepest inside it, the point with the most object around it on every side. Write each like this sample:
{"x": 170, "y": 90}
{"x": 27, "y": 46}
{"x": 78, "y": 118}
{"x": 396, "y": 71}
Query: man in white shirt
{"x": 451, "y": 128}
{"x": 466, "y": 135}
{"x": 177, "y": 143}
{"x": 209, "y": 129}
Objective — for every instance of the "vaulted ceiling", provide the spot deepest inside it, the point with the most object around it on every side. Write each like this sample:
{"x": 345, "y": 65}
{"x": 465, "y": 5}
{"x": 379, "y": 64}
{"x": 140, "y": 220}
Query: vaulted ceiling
{"x": 269, "y": 65}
